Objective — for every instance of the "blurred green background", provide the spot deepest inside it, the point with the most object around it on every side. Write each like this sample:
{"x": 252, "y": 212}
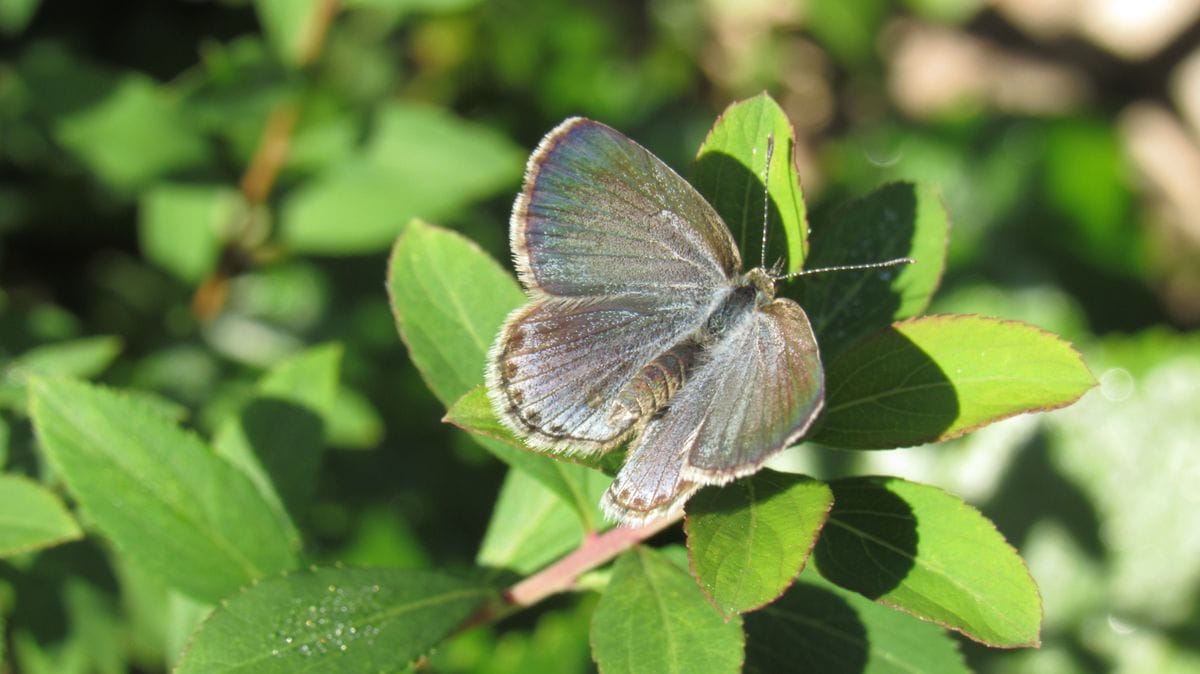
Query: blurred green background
{"x": 191, "y": 190}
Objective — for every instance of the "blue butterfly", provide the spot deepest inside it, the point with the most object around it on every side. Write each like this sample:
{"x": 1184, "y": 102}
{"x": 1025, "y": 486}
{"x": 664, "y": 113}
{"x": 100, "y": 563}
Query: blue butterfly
{"x": 642, "y": 327}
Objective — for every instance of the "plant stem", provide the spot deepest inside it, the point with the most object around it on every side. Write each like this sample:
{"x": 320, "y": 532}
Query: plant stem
{"x": 595, "y": 550}
{"x": 272, "y": 150}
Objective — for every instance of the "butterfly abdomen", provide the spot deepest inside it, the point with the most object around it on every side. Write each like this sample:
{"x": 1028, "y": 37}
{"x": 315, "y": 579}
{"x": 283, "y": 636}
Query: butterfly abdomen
{"x": 657, "y": 382}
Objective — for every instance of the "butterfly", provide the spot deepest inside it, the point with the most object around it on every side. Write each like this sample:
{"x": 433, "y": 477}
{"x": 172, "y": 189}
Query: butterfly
{"x": 641, "y": 326}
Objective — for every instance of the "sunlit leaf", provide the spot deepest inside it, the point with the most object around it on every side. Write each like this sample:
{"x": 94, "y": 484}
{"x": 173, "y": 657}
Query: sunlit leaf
{"x": 530, "y": 527}
{"x": 332, "y": 620}
{"x": 82, "y": 358}
{"x": 32, "y": 517}
{"x": 162, "y": 497}
{"x": 654, "y": 618}
{"x": 729, "y": 171}
{"x": 136, "y": 134}
{"x": 938, "y": 377}
{"x": 420, "y": 162}
{"x": 182, "y": 227}
{"x": 748, "y": 540}
{"x": 292, "y": 27}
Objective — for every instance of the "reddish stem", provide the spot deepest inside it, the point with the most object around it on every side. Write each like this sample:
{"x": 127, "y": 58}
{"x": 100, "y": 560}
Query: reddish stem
{"x": 594, "y": 551}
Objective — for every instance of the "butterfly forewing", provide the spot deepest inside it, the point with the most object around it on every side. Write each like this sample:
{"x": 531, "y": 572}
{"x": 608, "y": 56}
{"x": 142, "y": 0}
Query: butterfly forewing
{"x": 622, "y": 260}
{"x": 600, "y": 215}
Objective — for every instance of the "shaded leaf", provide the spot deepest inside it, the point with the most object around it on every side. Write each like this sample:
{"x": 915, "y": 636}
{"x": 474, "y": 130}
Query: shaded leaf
{"x": 332, "y": 620}
{"x": 530, "y": 527}
{"x": 916, "y": 548}
{"x": 748, "y": 540}
{"x": 818, "y": 627}
{"x": 162, "y": 497}
{"x": 938, "y": 377}
{"x": 32, "y": 517}
{"x": 277, "y": 438}
{"x": 653, "y": 618}
{"x": 897, "y": 220}
{"x": 729, "y": 170}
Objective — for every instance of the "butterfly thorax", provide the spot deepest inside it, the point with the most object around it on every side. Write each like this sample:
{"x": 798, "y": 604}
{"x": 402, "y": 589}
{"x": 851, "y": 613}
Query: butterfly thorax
{"x": 652, "y": 388}
{"x": 753, "y": 289}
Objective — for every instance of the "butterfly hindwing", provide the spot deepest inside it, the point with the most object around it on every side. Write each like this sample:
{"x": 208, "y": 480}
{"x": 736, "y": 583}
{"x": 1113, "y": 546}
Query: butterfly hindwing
{"x": 757, "y": 390}
{"x": 561, "y": 365}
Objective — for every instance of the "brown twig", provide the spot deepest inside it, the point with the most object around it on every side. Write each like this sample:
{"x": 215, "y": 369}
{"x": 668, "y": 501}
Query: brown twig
{"x": 263, "y": 170}
{"x": 316, "y": 30}
{"x": 272, "y": 151}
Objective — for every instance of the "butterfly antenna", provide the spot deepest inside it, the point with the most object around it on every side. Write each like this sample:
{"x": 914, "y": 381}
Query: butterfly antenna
{"x": 766, "y": 198}
{"x": 850, "y": 267}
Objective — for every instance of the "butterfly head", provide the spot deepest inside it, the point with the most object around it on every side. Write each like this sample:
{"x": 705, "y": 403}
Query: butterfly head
{"x": 762, "y": 281}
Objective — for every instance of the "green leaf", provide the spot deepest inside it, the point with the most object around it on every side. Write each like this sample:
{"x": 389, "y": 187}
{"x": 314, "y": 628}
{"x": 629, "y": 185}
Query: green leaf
{"x": 449, "y": 299}
{"x": 747, "y": 541}
{"x": 918, "y": 549}
{"x": 473, "y": 413}
{"x": 897, "y": 220}
{"x": 420, "y": 162}
{"x": 402, "y": 7}
{"x": 818, "y": 627}
{"x": 14, "y": 16}
{"x": 92, "y": 639}
{"x": 83, "y": 358}
{"x": 291, "y": 27}
{"x": 134, "y": 135}
{"x": 653, "y": 618}
{"x": 182, "y": 227}
{"x": 531, "y": 526}
{"x": 576, "y": 480}
{"x": 333, "y": 620}
{"x": 729, "y": 169}
{"x": 939, "y": 377}
{"x": 353, "y": 423}
{"x": 32, "y": 517}
{"x": 277, "y": 438}
{"x": 849, "y": 29}
{"x": 163, "y": 498}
